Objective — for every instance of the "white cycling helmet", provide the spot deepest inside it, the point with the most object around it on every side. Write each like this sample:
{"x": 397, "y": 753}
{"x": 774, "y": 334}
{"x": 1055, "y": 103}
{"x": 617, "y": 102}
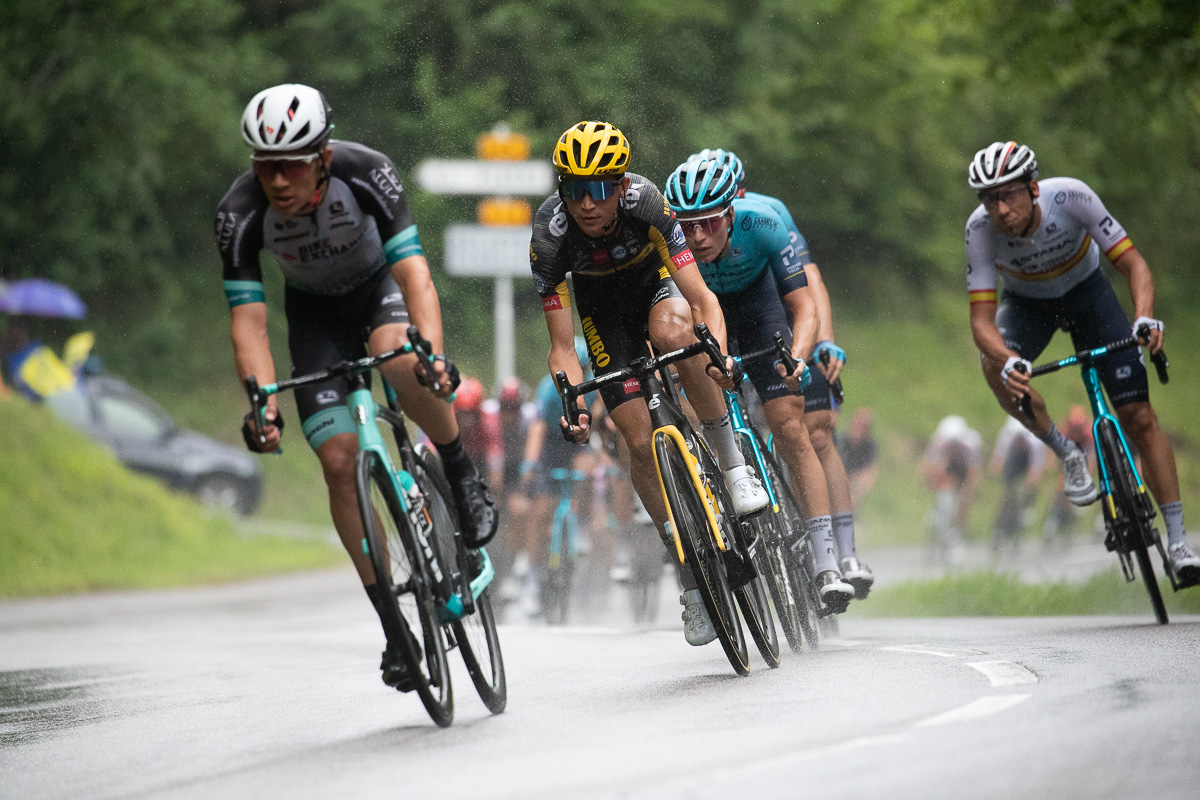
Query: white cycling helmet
{"x": 286, "y": 118}
{"x": 952, "y": 428}
{"x": 1001, "y": 162}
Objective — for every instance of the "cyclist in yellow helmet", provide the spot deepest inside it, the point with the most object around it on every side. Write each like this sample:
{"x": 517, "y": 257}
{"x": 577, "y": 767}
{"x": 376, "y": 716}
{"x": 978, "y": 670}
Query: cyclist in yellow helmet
{"x": 634, "y": 278}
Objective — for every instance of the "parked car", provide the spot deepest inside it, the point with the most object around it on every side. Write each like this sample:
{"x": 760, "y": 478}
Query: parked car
{"x": 145, "y": 438}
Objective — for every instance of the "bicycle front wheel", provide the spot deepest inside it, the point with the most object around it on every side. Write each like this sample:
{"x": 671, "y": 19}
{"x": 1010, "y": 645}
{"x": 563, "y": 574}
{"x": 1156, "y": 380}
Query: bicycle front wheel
{"x": 1138, "y": 531}
{"x": 478, "y": 641}
{"x": 410, "y": 619}
{"x": 700, "y": 551}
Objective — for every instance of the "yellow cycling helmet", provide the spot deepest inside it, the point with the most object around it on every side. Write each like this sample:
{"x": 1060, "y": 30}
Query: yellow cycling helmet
{"x": 591, "y": 148}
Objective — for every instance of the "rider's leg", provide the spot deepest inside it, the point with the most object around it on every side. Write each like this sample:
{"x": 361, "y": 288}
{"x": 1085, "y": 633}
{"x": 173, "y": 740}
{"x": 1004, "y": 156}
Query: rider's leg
{"x": 820, "y": 434}
{"x": 337, "y": 456}
{"x": 1141, "y": 424}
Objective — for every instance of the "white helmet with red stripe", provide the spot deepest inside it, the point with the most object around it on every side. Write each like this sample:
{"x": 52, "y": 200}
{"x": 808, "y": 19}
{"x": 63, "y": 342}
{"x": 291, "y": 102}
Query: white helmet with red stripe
{"x": 285, "y": 118}
{"x": 1001, "y": 162}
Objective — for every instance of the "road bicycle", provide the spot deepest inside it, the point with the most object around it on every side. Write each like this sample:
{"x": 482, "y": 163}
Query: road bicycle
{"x": 709, "y": 538}
{"x": 564, "y": 547}
{"x": 436, "y": 586}
{"x": 1126, "y": 505}
{"x": 784, "y": 552}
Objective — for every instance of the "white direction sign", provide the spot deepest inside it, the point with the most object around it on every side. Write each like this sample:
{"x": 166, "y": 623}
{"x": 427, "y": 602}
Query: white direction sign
{"x": 464, "y": 176}
{"x": 493, "y": 251}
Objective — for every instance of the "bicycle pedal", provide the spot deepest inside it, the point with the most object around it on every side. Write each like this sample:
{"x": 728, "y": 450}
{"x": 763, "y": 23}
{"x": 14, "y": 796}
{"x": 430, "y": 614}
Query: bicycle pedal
{"x": 740, "y": 570}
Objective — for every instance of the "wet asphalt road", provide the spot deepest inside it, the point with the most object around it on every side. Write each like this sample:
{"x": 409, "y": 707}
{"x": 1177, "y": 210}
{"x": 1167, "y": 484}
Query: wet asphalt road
{"x": 270, "y": 689}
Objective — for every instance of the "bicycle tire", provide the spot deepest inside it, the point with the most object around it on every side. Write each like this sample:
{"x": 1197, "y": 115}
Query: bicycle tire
{"x": 390, "y": 546}
{"x": 700, "y": 551}
{"x": 556, "y": 594}
{"x": 798, "y": 567}
{"x": 1139, "y": 533}
{"x": 476, "y": 635}
{"x": 774, "y": 566}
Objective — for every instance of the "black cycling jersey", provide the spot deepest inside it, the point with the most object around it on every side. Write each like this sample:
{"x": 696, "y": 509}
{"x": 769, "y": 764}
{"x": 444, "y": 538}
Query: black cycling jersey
{"x": 362, "y": 225}
{"x": 646, "y": 237}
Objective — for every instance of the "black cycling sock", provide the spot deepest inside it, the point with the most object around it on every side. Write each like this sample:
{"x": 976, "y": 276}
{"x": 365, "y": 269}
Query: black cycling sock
{"x": 454, "y": 460}
{"x": 375, "y": 598}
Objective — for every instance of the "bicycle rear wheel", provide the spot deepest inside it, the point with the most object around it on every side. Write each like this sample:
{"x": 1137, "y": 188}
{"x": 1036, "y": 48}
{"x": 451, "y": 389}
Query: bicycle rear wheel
{"x": 1131, "y": 513}
{"x": 476, "y": 635}
{"x": 700, "y": 551}
{"x": 799, "y": 568}
{"x": 402, "y": 576}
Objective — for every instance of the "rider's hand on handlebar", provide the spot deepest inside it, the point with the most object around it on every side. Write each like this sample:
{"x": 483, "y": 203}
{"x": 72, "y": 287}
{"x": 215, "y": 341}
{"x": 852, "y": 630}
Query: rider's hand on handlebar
{"x": 797, "y": 380}
{"x": 722, "y": 379}
{"x": 1016, "y": 375}
{"x": 580, "y": 432}
{"x": 1155, "y": 340}
{"x": 272, "y": 432}
{"x": 445, "y": 376}
{"x": 837, "y": 359}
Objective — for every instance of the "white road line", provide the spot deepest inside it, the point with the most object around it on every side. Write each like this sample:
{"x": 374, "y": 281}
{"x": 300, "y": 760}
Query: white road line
{"x": 943, "y": 652}
{"x": 977, "y": 709}
{"x": 1004, "y": 673}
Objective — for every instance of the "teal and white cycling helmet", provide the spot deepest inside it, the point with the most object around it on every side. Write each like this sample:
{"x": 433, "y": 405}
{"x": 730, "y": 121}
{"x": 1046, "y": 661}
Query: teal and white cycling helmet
{"x": 1001, "y": 162}
{"x": 700, "y": 185}
{"x": 726, "y": 157}
{"x": 285, "y": 119}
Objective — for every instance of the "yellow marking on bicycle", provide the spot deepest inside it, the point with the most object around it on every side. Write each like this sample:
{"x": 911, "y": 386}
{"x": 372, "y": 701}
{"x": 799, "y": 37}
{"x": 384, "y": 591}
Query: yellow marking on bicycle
{"x": 702, "y": 489}
{"x": 1112, "y": 507}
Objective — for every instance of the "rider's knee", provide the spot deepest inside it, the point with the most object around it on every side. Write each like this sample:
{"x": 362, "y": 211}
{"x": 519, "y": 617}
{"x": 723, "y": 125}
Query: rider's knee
{"x": 821, "y": 439}
{"x": 672, "y": 330}
{"x": 793, "y": 435}
{"x": 1138, "y": 419}
{"x": 337, "y": 461}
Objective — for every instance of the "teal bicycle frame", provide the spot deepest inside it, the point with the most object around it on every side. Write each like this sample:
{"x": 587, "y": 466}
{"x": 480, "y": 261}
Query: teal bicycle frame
{"x": 564, "y": 517}
{"x": 363, "y": 408}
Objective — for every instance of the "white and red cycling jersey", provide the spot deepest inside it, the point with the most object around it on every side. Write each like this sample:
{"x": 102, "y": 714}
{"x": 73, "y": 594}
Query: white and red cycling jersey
{"x": 1065, "y": 248}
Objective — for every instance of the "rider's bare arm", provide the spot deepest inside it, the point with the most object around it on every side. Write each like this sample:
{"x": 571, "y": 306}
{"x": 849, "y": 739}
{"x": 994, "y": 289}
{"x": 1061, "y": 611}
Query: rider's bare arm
{"x": 561, "y": 326}
{"x": 805, "y": 324}
{"x": 704, "y": 304}
{"x": 1133, "y": 266}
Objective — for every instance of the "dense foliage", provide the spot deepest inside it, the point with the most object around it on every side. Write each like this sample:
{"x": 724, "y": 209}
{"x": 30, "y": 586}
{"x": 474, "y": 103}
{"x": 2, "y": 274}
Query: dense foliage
{"x": 118, "y": 126}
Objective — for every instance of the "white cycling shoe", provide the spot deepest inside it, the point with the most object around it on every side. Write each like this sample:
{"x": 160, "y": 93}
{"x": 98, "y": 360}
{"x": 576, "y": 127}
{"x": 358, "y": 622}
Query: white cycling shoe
{"x": 1185, "y": 563}
{"x": 746, "y": 490}
{"x": 858, "y": 575}
{"x": 697, "y": 627}
{"x": 1078, "y": 485}
{"x": 835, "y": 592}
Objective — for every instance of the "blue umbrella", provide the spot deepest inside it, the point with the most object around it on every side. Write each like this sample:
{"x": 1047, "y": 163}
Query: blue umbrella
{"x": 38, "y": 297}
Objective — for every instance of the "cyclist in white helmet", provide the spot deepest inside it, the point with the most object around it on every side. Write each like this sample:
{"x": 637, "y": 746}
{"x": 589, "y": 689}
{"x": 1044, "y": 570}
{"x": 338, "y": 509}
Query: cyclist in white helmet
{"x": 335, "y": 216}
{"x": 1046, "y": 238}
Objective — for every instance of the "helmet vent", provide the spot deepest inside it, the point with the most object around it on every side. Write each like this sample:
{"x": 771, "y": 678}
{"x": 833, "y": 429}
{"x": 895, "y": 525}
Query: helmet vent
{"x": 303, "y": 131}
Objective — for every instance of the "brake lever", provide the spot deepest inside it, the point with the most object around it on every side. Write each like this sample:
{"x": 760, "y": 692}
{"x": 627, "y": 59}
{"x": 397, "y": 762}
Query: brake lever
{"x": 256, "y": 409}
{"x": 571, "y": 410}
{"x": 713, "y": 348}
{"x": 1159, "y": 359}
{"x": 1025, "y": 404}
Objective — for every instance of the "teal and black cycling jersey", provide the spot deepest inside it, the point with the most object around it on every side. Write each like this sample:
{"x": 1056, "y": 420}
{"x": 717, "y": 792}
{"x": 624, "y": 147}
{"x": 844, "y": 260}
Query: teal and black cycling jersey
{"x": 362, "y": 225}
{"x": 797, "y": 239}
{"x": 760, "y": 240}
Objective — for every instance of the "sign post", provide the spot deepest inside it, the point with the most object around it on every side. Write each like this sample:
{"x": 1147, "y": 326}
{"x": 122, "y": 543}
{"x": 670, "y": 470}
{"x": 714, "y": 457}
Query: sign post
{"x": 498, "y": 246}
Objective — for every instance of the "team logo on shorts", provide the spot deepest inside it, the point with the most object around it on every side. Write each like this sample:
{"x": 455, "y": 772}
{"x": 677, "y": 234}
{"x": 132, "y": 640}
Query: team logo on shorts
{"x": 326, "y": 397}
{"x": 394, "y": 297}
{"x": 1125, "y": 372}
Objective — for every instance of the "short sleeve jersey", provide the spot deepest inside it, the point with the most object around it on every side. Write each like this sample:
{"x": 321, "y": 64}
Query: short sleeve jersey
{"x": 1056, "y": 257}
{"x": 645, "y": 237}
{"x": 363, "y": 224}
{"x": 798, "y": 242}
{"x": 759, "y": 241}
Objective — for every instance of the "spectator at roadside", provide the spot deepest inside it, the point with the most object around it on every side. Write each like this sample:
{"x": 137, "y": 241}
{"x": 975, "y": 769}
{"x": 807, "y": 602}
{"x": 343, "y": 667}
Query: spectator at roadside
{"x": 859, "y": 452}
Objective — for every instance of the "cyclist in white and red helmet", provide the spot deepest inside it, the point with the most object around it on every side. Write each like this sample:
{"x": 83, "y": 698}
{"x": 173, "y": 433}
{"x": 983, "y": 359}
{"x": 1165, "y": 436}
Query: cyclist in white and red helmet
{"x": 1045, "y": 238}
{"x": 334, "y": 214}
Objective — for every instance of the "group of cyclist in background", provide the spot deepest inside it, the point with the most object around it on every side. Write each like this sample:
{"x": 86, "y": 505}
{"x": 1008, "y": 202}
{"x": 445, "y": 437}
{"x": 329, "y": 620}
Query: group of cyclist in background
{"x": 646, "y": 267}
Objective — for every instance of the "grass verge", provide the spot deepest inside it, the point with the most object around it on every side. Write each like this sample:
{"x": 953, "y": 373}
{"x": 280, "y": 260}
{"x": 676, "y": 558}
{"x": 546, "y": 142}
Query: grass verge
{"x": 987, "y": 594}
{"x": 73, "y": 520}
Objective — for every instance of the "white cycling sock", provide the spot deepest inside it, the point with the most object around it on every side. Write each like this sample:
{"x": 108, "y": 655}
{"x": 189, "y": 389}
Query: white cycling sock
{"x": 820, "y": 533}
{"x": 843, "y": 532}
{"x": 719, "y": 433}
{"x": 1173, "y": 517}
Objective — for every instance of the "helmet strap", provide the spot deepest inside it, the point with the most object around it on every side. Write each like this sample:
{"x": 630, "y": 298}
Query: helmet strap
{"x": 319, "y": 192}
{"x": 1032, "y": 214}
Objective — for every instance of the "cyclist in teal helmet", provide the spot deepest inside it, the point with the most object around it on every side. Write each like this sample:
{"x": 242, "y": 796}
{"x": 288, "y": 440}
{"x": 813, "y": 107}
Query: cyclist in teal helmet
{"x": 747, "y": 259}
{"x": 820, "y": 406}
